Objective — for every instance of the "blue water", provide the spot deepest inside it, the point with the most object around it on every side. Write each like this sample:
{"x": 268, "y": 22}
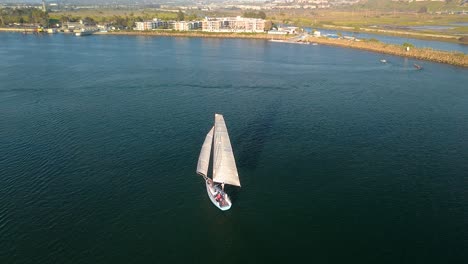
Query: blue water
{"x": 460, "y": 24}
{"x": 433, "y": 44}
{"x": 342, "y": 159}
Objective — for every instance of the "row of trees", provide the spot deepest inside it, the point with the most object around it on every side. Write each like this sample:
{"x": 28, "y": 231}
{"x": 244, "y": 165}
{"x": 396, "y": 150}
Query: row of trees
{"x": 36, "y": 16}
{"x": 23, "y": 15}
{"x": 127, "y": 21}
{"x": 115, "y": 20}
{"x": 253, "y": 14}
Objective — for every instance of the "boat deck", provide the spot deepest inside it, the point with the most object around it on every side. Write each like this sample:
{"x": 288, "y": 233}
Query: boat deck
{"x": 222, "y": 201}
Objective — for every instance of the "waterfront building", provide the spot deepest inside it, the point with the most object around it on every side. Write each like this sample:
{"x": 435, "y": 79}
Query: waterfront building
{"x": 184, "y": 25}
{"x": 277, "y": 32}
{"x": 284, "y": 31}
{"x": 72, "y": 25}
{"x": 170, "y": 24}
{"x": 233, "y": 24}
{"x": 162, "y": 24}
{"x": 145, "y": 25}
{"x": 152, "y": 24}
{"x": 212, "y": 25}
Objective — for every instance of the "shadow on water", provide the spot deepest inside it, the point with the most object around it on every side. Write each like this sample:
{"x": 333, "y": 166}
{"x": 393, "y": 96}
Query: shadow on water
{"x": 251, "y": 141}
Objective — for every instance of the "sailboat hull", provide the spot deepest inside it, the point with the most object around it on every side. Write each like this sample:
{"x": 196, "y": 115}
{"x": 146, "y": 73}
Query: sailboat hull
{"x": 213, "y": 190}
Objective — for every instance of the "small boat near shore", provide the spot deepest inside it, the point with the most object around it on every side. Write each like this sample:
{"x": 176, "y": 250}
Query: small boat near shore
{"x": 418, "y": 67}
{"x": 84, "y": 32}
{"x": 291, "y": 42}
{"x": 224, "y": 164}
{"x": 277, "y": 40}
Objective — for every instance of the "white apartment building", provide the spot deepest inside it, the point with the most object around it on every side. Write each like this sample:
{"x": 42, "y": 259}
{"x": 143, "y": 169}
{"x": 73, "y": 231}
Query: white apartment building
{"x": 150, "y": 25}
{"x": 146, "y": 25}
{"x": 157, "y": 23}
{"x": 184, "y": 25}
{"x": 233, "y": 24}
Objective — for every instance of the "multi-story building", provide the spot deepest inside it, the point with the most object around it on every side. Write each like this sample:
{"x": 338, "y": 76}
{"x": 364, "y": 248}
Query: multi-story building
{"x": 152, "y": 24}
{"x": 145, "y": 25}
{"x": 211, "y": 24}
{"x": 233, "y": 24}
{"x": 184, "y": 25}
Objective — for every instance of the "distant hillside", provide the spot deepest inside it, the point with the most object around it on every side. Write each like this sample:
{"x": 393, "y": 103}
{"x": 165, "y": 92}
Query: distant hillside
{"x": 411, "y": 5}
{"x": 87, "y": 2}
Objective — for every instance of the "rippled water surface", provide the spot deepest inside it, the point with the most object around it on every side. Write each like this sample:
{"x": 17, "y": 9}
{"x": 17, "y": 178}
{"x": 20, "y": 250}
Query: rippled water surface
{"x": 342, "y": 159}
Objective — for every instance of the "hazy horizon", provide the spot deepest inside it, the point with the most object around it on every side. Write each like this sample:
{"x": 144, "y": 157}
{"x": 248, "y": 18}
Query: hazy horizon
{"x": 109, "y": 1}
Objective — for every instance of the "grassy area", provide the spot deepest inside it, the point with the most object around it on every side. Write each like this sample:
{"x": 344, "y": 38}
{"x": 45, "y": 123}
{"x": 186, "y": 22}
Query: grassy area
{"x": 383, "y": 5}
{"x": 365, "y": 20}
{"x": 361, "y": 18}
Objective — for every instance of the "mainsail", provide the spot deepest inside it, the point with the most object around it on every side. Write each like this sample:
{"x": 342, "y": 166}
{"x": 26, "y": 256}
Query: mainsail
{"x": 224, "y": 165}
{"x": 204, "y": 159}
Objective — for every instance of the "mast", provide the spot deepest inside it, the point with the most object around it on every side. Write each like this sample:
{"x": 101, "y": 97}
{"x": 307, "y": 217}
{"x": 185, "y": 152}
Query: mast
{"x": 224, "y": 164}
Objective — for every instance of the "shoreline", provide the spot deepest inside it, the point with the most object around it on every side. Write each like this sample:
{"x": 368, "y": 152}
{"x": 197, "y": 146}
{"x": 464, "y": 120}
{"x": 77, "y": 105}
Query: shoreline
{"x": 195, "y": 34}
{"x": 427, "y": 54}
{"x": 2, "y": 29}
{"x": 447, "y": 57}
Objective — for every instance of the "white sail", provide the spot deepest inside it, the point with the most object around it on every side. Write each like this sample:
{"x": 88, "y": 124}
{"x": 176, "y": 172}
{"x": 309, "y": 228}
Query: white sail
{"x": 204, "y": 159}
{"x": 224, "y": 165}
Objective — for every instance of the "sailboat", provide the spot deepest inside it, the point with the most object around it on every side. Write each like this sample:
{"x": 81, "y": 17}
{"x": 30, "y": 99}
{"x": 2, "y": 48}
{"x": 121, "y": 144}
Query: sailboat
{"x": 224, "y": 164}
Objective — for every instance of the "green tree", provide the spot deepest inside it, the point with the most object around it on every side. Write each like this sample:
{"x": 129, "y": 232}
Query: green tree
{"x": 89, "y": 21}
{"x": 191, "y": 17}
{"x": 130, "y": 24}
{"x": 261, "y": 15}
{"x": 39, "y": 17}
{"x": 252, "y": 14}
{"x": 180, "y": 15}
{"x": 64, "y": 19}
{"x": 407, "y": 45}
